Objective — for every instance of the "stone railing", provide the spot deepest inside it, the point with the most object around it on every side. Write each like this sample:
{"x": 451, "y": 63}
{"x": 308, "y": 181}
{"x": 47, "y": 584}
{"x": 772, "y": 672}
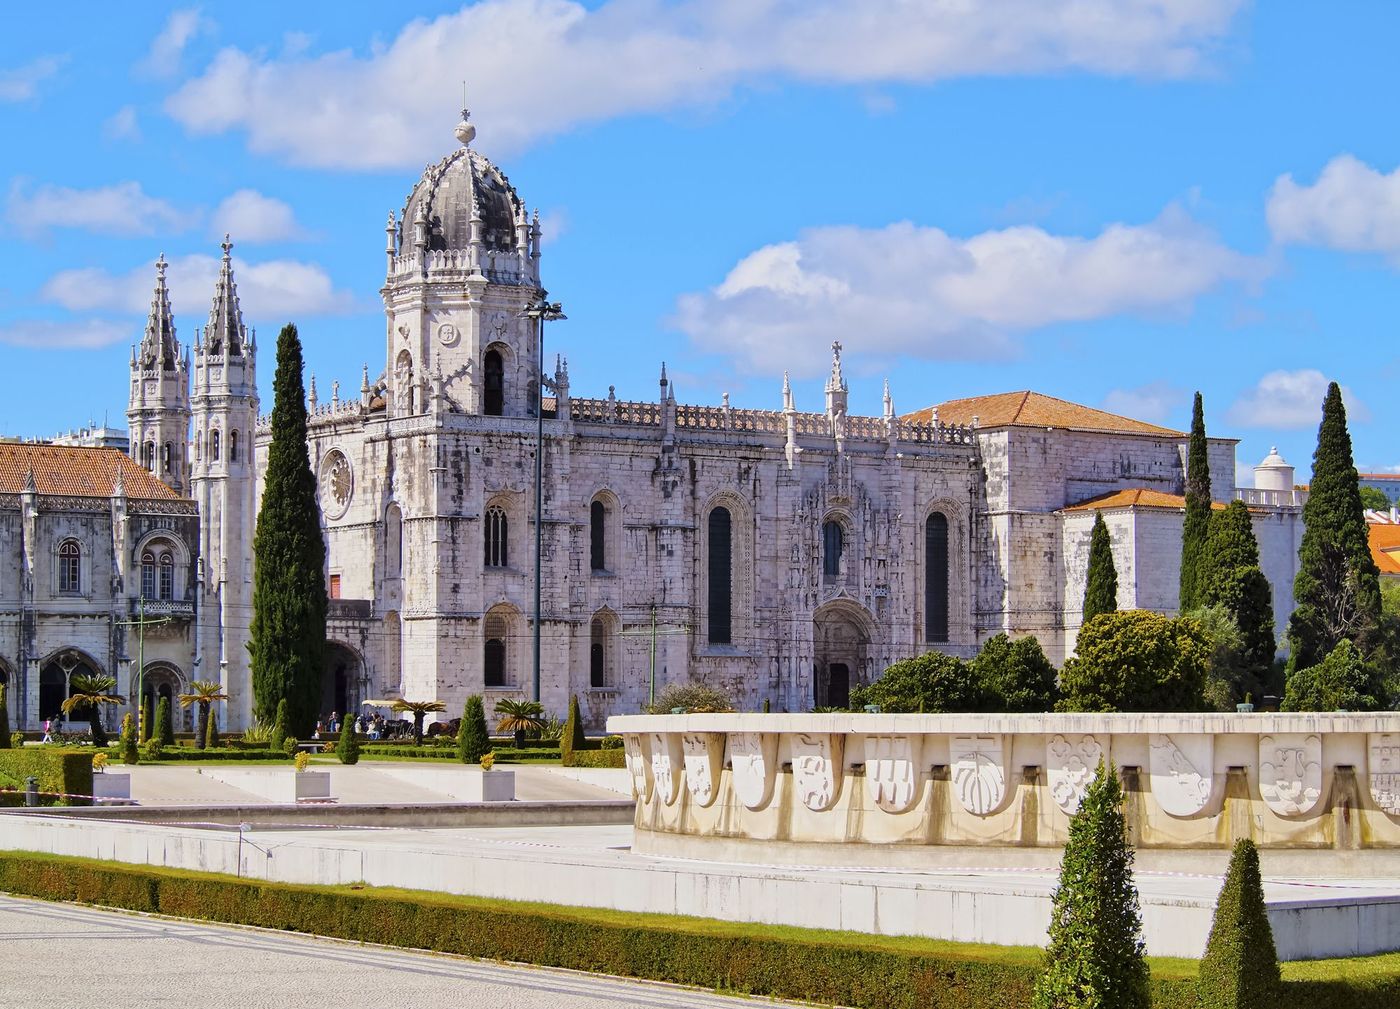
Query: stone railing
{"x": 615, "y": 411}
{"x": 162, "y": 607}
{"x": 885, "y": 782}
{"x": 1256, "y": 498}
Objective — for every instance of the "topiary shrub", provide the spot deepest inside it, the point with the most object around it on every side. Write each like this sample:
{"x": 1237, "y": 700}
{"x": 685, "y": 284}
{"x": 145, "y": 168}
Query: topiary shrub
{"x": 16, "y": 740}
{"x": 278, "y": 735}
{"x": 572, "y": 738}
{"x": 4, "y": 719}
{"x": 1240, "y": 969}
{"x": 611, "y": 743}
{"x": 473, "y": 738}
{"x": 165, "y": 724}
{"x": 211, "y": 732}
{"x": 148, "y": 718}
{"x": 348, "y": 747}
{"x": 127, "y": 743}
{"x": 152, "y": 749}
{"x": 289, "y": 745}
{"x": 1096, "y": 954}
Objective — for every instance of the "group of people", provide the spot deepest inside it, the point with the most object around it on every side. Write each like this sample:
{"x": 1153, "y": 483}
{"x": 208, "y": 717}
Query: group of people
{"x": 365, "y": 725}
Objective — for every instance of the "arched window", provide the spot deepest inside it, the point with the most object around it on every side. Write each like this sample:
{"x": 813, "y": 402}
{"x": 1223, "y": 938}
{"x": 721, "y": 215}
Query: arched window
{"x": 233, "y": 446}
{"x": 167, "y": 576}
{"x": 148, "y": 575}
{"x": 494, "y": 654}
{"x": 597, "y": 536}
{"x": 497, "y": 537}
{"x": 936, "y": 577}
{"x": 70, "y": 557}
{"x": 150, "y": 461}
{"x": 495, "y": 384}
{"x": 214, "y": 445}
{"x": 833, "y": 541}
{"x": 167, "y": 456}
{"x": 598, "y": 654}
{"x": 720, "y": 572}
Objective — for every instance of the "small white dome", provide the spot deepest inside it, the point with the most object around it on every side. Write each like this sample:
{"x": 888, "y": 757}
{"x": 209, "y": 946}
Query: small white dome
{"x": 1273, "y": 460}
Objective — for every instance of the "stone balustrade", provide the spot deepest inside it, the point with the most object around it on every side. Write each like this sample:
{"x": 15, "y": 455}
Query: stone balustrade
{"x": 707, "y": 782}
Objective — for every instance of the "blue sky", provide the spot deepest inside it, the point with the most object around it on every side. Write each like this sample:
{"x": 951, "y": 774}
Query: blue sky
{"x": 1112, "y": 202}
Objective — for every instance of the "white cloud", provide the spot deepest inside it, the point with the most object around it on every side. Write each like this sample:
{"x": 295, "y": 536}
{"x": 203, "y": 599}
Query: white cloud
{"x": 1290, "y": 400}
{"x": 50, "y": 334}
{"x": 249, "y": 216}
{"x": 1351, "y": 207}
{"x": 122, "y": 125}
{"x": 270, "y": 289}
{"x": 368, "y": 111}
{"x": 22, "y": 83}
{"x": 121, "y": 209}
{"x": 163, "y": 59}
{"x": 1151, "y": 402}
{"x": 905, "y": 289}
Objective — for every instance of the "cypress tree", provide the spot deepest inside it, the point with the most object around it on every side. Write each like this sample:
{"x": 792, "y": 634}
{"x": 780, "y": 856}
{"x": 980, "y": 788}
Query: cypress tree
{"x": 572, "y": 738}
{"x": 4, "y": 719}
{"x": 165, "y": 724}
{"x": 1195, "y": 530}
{"x": 473, "y": 738}
{"x": 278, "y": 735}
{"x": 1337, "y": 589}
{"x": 131, "y": 753}
{"x": 289, "y": 591}
{"x": 1230, "y": 576}
{"x": 1096, "y": 953}
{"x": 1101, "y": 584}
{"x": 211, "y": 731}
{"x": 348, "y": 748}
{"x": 1240, "y": 968}
{"x": 148, "y": 720}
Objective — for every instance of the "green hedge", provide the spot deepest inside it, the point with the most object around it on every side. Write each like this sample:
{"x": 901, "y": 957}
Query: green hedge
{"x": 599, "y": 758}
{"x": 845, "y": 968}
{"x": 58, "y": 769}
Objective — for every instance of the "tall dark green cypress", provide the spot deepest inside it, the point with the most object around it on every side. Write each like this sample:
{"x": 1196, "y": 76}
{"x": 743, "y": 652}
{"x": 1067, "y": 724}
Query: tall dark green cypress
{"x": 4, "y": 720}
{"x": 289, "y": 554}
{"x": 1195, "y": 530}
{"x": 1337, "y": 590}
{"x": 1101, "y": 584}
{"x": 1230, "y": 576}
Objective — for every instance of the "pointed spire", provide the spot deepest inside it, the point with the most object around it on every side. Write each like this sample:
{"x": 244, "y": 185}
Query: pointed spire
{"x": 311, "y": 394}
{"x": 364, "y": 378}
{"x": 159, "y": 348}
{"x": 119, "y": 484}
{"x": 30, "y": 487}
{"x": 787, "y": 394}
{"x": 226, "y": 333}
{"x": 663, "y": 374}
{"x": 889, "y": 401}
{"x": 837, "y": 381}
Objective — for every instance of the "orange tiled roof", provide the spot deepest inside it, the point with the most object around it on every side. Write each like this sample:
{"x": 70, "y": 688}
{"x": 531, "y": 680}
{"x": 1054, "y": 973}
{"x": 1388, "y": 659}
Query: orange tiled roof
{"x": 1033, "y": 409}
{"x": 1134, "y": 497}
{"x": 1384, "y": 539}
{"x": 79, "y": 472}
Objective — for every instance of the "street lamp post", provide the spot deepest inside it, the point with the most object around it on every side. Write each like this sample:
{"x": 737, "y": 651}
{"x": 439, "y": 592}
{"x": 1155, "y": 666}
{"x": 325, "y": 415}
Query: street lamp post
{"x": 541, "y": 310}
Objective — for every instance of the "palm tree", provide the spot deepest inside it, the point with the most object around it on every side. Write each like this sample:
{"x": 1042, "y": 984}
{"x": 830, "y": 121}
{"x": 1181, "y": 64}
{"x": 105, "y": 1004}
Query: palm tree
{"x": 89, "y": 692}
{"x": 519, "y": 717}
{"x": 204, "y": 693}
{"x": 419, "y": 709}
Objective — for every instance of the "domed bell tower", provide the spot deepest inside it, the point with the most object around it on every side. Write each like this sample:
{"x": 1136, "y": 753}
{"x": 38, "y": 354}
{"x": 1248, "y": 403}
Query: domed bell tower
{"x": 158, "y": 408}
{"x": 463, "y": 264}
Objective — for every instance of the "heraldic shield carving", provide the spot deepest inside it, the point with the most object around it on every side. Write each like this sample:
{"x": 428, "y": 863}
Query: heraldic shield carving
{"x": 1383, "y": 764}
{"x": 753, "y": 760}
{"x": 892, "y": 771}
{"x": 704, "y": 755}
{"x": 1180, "y": 769}
{"x": 666, "y": 767}
{"x": 817, "y": 768}
{"x": 1290, "y": 772}
{"x": 979, "y": 772}
{"x": 1071, "y": 762}
{"x": 637, "y": 763}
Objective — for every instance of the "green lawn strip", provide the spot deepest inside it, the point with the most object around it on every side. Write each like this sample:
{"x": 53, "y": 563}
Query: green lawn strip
{"x": 853, "y": 969}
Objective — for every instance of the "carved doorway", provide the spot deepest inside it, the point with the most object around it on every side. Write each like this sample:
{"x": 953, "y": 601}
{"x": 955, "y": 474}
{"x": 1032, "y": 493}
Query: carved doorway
{"x": 841, "y": 653}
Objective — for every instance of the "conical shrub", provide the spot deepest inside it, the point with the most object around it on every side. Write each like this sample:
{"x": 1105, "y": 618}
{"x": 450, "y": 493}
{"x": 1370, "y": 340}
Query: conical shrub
{"x": 211, "y": 731}
{"x": 131, "y": 752}
{"x": 278, "y": 736}
{"x": 147, "y": 719}
{"x": 4, "y": 719}
{"x": 1240, "y": 968}
{"x": 348, "y": 748}
{"x": 572, "y": 738}
{"x": 473, "y": 738}
{"x": 165, "y": 723}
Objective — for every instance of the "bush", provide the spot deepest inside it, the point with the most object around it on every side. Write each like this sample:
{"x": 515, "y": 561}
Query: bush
{"x": 599, "y": 758}
{"x": 1343, "y": 681}
{"x": 612, "y": 743}
{"x": 127, "y": 741}
{"x": 17, "y": 739}
{"x": 1240, "y": 968}
{"x": 289, "y": 745}
{"x": 1014, "y": 675}
{"x": 58, "y": 770}
{"x": 211, "y": 733}
{"x": 1137, "y": 660}
{"x": 694, "y": 697}
{"x": 153, "y": 749}
{"x": 1096, "y": 955}
{"x": 165, "y": 724}
{"x": 278, "y": 736}
{"x": 932, "y": 683}
{"x": 5, "y": 742}
{"x": 348, "y": 747}
{"x": 473, "y": 738}
{"x": 572, "y": 738}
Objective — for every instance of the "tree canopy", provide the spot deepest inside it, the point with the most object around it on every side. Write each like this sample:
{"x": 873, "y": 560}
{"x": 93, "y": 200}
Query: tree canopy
{"x": 1137, "y": 660}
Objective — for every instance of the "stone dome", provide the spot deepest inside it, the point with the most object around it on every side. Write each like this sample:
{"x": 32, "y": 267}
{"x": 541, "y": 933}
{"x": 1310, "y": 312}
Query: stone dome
{"x": 446, "y": 194}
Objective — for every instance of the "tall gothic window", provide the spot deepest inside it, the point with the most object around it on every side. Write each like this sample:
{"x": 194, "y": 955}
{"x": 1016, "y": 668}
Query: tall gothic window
{"x": 598, "y": 654}
{"x": 148, "y": 575}
{"x": 167, "y": 576}
{"x": 393, "y": 542}
{"x": 495, "y": 382}
{"x": 833, "y": 542}
{"x": 936, "y": 577}
{"x": 233, "y": 446}
{"x": 150, "y": 456}
{"x": 494, "y": 653}
{"x": 497, "y": 537}
{"x": 70, "y": 557}
{"x": 598, "y": 531}
{"x": 720, "y": 575}
{"x": 166, "y": 458}
{"x": 214, "y": 445}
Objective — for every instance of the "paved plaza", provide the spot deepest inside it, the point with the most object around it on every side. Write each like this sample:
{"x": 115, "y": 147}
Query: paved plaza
{"x": 115, "y": 959}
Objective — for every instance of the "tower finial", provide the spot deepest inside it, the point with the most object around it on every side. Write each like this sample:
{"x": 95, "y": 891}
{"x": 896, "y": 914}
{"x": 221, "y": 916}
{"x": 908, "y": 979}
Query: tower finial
{"x": 465, "y": 131}
{"x": 227, "y": 246}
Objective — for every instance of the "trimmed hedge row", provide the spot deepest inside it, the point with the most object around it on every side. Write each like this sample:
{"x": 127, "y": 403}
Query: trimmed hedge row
{"x": 59, "y": 769}
{"x": 852, "y": 969}
{"x": 599, "y": 758}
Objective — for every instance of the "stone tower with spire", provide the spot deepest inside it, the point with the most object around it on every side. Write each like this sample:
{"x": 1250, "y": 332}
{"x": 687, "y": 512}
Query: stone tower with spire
{"x": 158, "y": 410}
{"x": 225, "y": 402}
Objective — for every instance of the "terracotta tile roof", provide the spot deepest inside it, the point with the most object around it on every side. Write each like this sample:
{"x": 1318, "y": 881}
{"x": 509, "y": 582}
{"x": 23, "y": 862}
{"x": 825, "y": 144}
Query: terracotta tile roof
{"x": 1384, "y": 539}
{"x": 1135, "y": 497}
{"x": 1033, "y": 409}
{"x": 77, "y": 472}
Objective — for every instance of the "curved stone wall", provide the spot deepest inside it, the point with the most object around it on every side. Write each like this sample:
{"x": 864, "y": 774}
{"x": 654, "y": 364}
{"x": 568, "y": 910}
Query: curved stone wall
{"x": 1192, "y": 781}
